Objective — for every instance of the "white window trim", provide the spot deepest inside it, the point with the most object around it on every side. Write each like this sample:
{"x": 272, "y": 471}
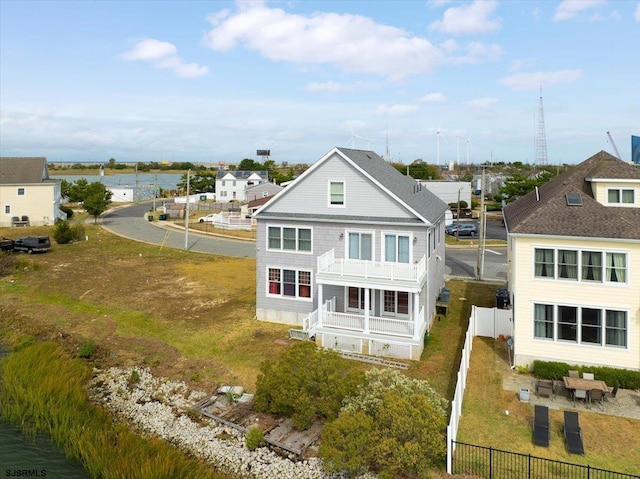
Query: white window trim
{"x": 344, "y": 193}
{"x": 619, "y": 189}
{"x": 281, "y": 295}
{"x": 7, "y": 206}
{"x": 24, "y": 191}
{"x": 578, "y": 342}
{"x": 386, "y": 314}
{"x": 372, "y": 299}
{"x": 359, "y": 231}
{"x": 297, "y": 228}
{"x": 579, "y": 252}
{"x": 383, "y": 245}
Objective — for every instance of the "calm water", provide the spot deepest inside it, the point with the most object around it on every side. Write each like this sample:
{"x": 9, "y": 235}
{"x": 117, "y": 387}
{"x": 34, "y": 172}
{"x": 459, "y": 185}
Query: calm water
{"x": 34, "y": 457}
{"x": 166, "y": 181}
{"x": 21, "y": 456}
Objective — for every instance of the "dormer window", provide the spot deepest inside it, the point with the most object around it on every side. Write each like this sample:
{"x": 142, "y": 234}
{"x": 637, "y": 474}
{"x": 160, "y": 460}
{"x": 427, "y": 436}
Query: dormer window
{"x": 620, "y": 196}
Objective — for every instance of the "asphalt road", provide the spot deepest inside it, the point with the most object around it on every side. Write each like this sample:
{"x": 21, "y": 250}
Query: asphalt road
{"x": 130, "y": 222}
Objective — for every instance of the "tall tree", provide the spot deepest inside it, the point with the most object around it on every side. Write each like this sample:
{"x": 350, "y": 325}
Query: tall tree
{"x": 248, "y": 164}
{"x": 97, "y": 199}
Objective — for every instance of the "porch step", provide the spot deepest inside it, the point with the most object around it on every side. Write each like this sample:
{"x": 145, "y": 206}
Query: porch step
{"x": 300, "y": 334}
{"x": 374, "y": 360}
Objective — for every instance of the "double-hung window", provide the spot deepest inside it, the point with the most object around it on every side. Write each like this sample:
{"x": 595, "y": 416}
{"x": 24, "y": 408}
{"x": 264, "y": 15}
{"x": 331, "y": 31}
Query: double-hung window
{"x": 616, "y": 328}
{"x": 544, "y": 263}
{"x": 360, "y": 246}
{"x": 336, "y": 193}
{"x": 591, "y": 326}
{"x": 568, "y": 323}
{"x": 543, "y": 321}
{"x": 567, "y": 264}
{"x": 289, "y": 239}
{"x": 396, "y": 248}
{"x": 616, "y": 268}
{"x": 592, "y": 266}
{"x": 289, "y": 282}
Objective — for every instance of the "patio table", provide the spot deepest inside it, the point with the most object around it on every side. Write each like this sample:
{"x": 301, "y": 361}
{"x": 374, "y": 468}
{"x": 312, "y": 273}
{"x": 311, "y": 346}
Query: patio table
{"x": 585, "y": 384}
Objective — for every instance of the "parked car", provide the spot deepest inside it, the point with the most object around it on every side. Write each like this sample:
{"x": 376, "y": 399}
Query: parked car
{"x": 32, "y": 244}
{"x": 6, "y": 244}
{"x": 207, "y": 219}
{"x": 462, "y": 229}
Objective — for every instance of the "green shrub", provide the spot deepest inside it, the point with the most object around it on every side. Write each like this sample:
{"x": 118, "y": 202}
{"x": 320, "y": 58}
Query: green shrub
{"x": 557, "y": 370}
{"x": 134, "y": 378}
{"x": 254, "y": 438}
{"x": 88, "y": 349}
{"x": 64, "y": 233}
{"x": 306, "y": 383}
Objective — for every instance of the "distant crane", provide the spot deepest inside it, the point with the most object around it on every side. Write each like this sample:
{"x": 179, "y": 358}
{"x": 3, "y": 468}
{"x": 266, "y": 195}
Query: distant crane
{"x": 615, "y": 148}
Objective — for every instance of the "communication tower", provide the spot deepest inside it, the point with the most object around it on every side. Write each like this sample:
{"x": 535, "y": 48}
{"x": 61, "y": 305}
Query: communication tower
{"x": 541, "y": 139}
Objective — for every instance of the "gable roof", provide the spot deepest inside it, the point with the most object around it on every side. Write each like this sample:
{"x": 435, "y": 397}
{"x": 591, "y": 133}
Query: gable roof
{"x": 23, "y": 171}
{"x": 422, "y": 202}
{"x": 548, "y": 213}
{"x": 242, "y": 174}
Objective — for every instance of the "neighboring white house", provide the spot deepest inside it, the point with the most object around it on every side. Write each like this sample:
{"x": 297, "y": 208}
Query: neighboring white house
{"x": 27, "y": 191}
{"x": 353, "y": 252}
{"x": 232, "y": 185}
{"x": 121, "y": 194}
{"x": 574, "y": 266}
{"x": 450, "y": 191}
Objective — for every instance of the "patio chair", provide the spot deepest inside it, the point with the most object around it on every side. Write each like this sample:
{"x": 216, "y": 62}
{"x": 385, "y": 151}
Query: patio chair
{"x": 541, "y": 431}
{"x": 579, "y": 394}
{"x": 573, "y": 433}
{"x": 544, "y": 388}
{"x": 574, "y": 374}
{"x": 597, "y": 395}
{"x": 590, "y": 376}
{"x": 613, "y": 392}
{"x": 559, "y": 388}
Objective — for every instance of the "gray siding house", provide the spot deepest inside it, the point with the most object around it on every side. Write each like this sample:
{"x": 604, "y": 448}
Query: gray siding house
{"x": 352, "y": 253}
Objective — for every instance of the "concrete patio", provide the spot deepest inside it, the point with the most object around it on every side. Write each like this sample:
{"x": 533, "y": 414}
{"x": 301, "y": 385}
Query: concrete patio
{"x": 625, "y": 404}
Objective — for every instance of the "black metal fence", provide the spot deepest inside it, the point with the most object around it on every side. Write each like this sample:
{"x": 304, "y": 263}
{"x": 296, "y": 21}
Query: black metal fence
{"x": 493, "y": 463}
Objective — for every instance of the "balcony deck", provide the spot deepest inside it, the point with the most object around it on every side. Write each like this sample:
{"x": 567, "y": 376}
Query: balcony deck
{"x": 341, "y": 271}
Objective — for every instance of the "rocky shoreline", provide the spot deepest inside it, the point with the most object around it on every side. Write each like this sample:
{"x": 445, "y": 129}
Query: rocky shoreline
{"x": 159, "y": 407}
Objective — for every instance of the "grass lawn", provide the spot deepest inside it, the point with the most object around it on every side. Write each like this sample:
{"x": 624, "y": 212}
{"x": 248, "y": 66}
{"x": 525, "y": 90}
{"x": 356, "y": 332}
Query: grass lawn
{"x": 190, "y": 316}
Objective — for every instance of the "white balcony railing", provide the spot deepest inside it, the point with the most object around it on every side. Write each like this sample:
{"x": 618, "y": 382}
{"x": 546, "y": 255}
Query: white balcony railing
{"x": 329, "y": 265}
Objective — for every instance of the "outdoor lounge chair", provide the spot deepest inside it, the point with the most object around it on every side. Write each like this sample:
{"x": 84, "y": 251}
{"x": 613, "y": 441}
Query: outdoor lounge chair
{"x": 541, "y": 432}
{"x": 573, "y": 433}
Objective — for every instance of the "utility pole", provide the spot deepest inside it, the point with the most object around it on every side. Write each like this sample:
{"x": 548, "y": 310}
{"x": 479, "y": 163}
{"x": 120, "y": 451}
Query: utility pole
{"x": 186, "y": 215}
{"x": 458, "y": 217}
{"x": 480, "y": 265}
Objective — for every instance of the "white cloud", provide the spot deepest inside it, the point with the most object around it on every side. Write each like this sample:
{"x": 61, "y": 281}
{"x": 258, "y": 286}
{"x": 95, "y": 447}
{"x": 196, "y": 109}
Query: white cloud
{"x": 483, "y": 107}
{"x": 469, "y": 19}
{"x": 532, "y": 81}
{"x": 352, "y": 43}
{"x": 636, "y": 15}
{"x": 163, "y": 55}
{"x": 327, "y": 86}
{"x": 436, "y": 97}
{"x": 570, "y": 9}
{"x": 397, "y": 111}
{"x": 520, "y": 64}
{"x": 475, "y": 52}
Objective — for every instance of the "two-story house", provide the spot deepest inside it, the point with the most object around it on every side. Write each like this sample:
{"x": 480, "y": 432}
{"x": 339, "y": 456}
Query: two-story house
{"x": 574, "y": 266}
{"x": 27, "y": 191}
{"x": 232, "y": 185}
{"x": 353, "y": 252}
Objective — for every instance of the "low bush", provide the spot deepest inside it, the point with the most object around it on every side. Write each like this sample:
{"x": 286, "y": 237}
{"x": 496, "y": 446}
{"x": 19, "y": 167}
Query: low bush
{"x": 87, "y": 350}
{"x": 557, "y": 370}
{"x": 254, "y": 438}
{"x": 64, "y": 233}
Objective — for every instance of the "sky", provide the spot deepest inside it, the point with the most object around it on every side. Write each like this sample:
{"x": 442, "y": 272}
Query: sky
{"x": 214, "y": 81}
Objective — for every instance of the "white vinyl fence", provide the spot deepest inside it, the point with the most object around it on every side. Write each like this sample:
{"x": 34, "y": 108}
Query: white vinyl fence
{"x": 488, "y": 322}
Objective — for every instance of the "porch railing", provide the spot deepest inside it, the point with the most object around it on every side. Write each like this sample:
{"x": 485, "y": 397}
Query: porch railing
{"x": 329, "y": 264}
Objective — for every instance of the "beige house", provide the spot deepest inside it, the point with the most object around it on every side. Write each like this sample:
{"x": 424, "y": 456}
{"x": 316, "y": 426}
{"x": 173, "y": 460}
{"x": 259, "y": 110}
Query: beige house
{"x": 27, "y": 195}
{"x": 574, "y": 267}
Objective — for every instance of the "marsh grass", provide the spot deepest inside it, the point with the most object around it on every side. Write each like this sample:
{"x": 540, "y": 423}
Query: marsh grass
{"x": 43, "y": 391}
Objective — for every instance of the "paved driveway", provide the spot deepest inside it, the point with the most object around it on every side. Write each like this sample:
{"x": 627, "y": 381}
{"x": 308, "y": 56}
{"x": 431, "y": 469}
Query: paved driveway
{"x": 131, "y": 222}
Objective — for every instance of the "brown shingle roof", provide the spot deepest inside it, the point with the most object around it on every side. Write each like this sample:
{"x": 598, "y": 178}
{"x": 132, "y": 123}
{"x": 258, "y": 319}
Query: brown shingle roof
{"x": 550, "y": 214}
{"x": 22, "y": 171}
